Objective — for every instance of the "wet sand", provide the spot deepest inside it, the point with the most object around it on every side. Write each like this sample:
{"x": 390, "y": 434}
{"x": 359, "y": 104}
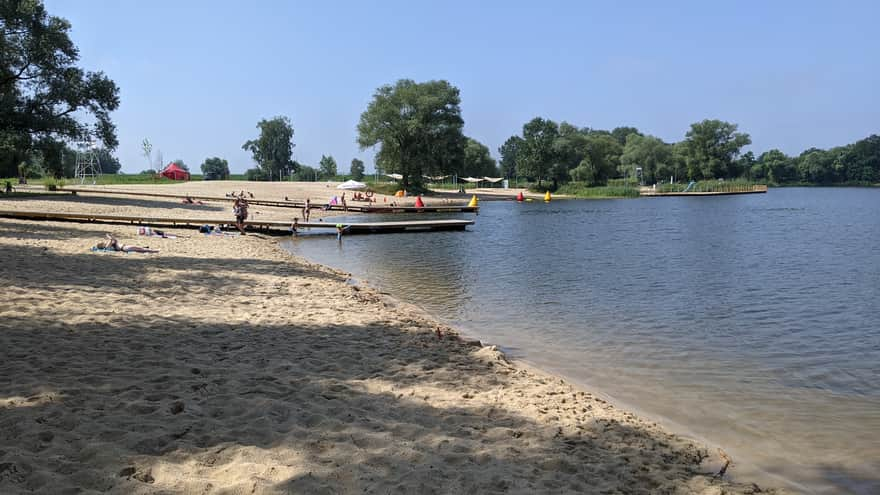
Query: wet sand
{"x": 225, "y": 365}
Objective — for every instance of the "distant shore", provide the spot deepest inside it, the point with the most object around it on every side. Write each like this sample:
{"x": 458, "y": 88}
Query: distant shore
{"x": 223, "y": 363}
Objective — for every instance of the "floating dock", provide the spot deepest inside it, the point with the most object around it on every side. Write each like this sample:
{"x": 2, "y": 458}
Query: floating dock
{"x": 269, "y": 227}
{"x": 353, "y": 206}
{"x": 755, "y": 189}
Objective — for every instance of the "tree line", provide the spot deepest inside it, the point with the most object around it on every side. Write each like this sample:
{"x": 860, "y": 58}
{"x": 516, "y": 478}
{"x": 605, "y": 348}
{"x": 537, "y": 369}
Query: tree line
{"x": 416, "y": 130}
{"x": 711, "y": 149}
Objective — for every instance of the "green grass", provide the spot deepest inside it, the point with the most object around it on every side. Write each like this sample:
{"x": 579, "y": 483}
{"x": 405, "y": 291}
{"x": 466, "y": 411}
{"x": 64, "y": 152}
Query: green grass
{"x": 118, "y": 179}
{"x": 580, "y": 190}
{"x": 107, "y": 179}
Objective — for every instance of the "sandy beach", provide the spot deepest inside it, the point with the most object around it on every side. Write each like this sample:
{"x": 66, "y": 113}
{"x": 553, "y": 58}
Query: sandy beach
{"x": 222, "y": 364}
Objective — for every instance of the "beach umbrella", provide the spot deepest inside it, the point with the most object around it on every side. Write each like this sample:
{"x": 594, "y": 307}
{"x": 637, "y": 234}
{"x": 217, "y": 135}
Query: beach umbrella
{"x": 351, "y": 185}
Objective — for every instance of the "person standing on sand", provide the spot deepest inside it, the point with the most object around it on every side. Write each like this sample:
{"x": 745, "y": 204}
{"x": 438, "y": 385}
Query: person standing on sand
{"x": 344, "y": 206}
{"x": 307, "y": 210}
{"x": 240, "y": 210}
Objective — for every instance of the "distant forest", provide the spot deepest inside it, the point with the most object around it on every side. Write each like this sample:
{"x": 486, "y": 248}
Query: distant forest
{"x": 712, "y": 149}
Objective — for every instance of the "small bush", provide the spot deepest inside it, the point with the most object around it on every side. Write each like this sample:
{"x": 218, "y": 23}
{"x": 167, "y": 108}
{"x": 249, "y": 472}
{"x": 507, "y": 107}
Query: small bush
{"x": 255, "y": 174}
{"x": 52, "y": 184}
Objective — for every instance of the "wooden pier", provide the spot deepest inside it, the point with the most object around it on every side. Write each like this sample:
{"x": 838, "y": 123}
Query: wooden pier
{"x": 353, "y": 206}
{"x": 269, "y": 227}
{"x": 755, "y": 189}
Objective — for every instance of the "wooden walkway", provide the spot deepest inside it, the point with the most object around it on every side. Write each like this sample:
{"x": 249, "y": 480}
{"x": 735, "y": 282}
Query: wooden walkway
{"x": 270, "y": 227}
{"x": 354, "y": 206}
{"x": 756, "y": 189}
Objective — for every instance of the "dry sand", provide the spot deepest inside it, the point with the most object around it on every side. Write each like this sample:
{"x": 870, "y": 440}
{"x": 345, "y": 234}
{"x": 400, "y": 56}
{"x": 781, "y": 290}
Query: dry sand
{"x": 224, "y": 365}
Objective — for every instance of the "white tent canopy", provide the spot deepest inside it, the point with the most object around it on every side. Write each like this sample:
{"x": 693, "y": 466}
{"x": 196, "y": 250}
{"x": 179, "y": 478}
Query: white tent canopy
{"x": 351, "y": 185}
{"x": 471, "y": 179}
{"x": 493, "y": 179}
{"x": 394, "y": 176}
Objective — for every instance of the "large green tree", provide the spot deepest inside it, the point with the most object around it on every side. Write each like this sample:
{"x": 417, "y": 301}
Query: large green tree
{"x": 862, "y": 161}
{"x": 816, "y": 166}
{"x": 418, "y": 128}
{"x": 328, "y": 166}
{"x": 43, "y": 94}
{"x": 215, "y": 169}
{"x": 621, "y": 133}
{"x": 477, "y": 160}
{"x": 712, "y": 146}
{"x": 569, "y": 149}
{"x": 777, "y": 166}
{"x": 648, "y": 152}
{"x": 273, "y": 149}
{"x": 509, "y": 152}
{"x": 601, "y": 159}
{"x": 538, "y": 153}
{"x": 357, "y": 169}
{"x": 108, "y": 163}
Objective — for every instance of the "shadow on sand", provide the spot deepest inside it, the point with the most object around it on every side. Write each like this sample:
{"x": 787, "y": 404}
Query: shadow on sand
{"x": 140, "y": 401}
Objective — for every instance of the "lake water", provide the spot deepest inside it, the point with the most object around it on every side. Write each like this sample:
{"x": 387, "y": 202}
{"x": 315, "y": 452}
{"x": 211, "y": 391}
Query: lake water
{"x": 749, "y": 322}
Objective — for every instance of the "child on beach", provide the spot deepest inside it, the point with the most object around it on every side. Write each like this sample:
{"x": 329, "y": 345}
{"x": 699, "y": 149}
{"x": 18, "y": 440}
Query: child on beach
{"x": 240, "y": 210}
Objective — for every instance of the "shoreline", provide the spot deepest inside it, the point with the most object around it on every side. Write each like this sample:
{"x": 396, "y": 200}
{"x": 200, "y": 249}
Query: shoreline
{"x": 228, "y": 363}
{"x": 473, "y": 336}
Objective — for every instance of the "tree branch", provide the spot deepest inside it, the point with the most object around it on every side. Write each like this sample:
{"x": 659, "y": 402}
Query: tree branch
{"x": 17, "y": 76}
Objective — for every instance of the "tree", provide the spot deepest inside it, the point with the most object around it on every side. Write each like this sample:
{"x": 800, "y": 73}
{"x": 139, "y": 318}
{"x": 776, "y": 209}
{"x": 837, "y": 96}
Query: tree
{"x": 862, "y": 160}
{"x": 305, "y": 173}
{"x": 477, "y": 160}
{"x": 745, "y": 164}
{"x": 42, "y": 91}
{"x": 779, "y": 167}
{"x": 108, "y": 163}
{"x": 570, "y": 146}
{"x": 328, "y": 166}
{"x": 273, "y": 149}
{"x": 816, "y": 166}
{"x": 255, "y": 174}
{"x": 621, "y": 133}
{"x": 538, "y": 153}
{"x": 509, "y": 152}
{"x": 711, "y": 148}
{"x": 418, "y": 128}
{"x": 648, "y": 152}
{"x": 180, "y": 164}
{"x": 215, "y": 169}
{"x": 601, "y": 158}
{"x": 357, "y": 169}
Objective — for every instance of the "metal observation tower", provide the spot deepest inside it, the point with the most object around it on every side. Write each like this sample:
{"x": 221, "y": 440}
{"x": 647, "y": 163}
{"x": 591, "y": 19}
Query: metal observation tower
{"x": 87, "y": 165}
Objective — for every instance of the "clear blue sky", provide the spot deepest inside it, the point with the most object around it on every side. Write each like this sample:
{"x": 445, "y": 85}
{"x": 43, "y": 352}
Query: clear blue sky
{"x": 195, "y": 77}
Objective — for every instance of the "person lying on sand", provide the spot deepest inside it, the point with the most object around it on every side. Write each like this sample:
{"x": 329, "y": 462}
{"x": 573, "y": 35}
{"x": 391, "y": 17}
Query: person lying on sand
{"x": 113, "y": 243}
